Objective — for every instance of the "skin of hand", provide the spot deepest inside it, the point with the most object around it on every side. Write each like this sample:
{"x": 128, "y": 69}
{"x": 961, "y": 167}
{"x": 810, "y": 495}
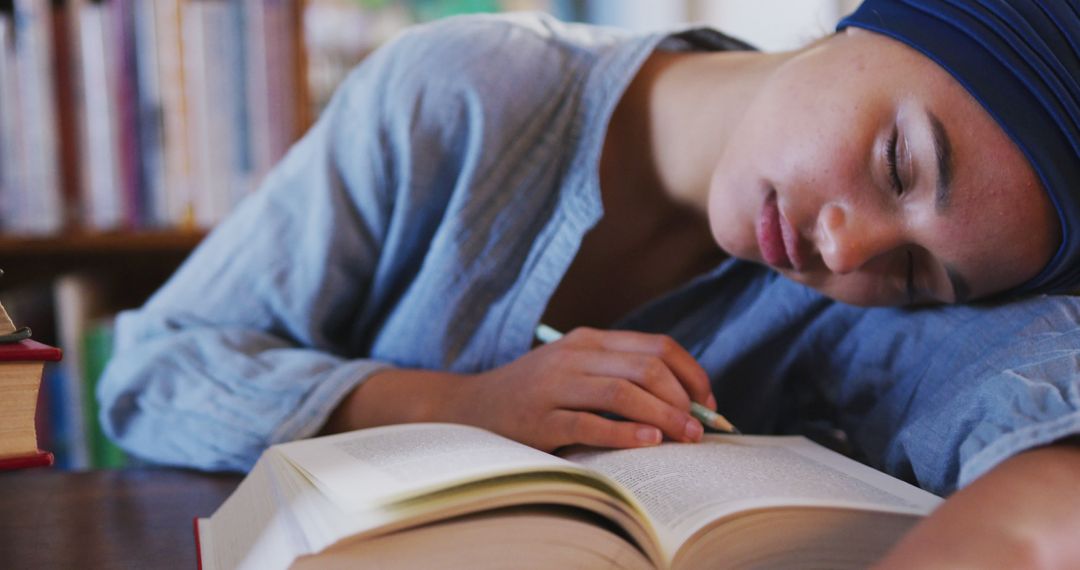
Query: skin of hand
{"x": 1025, "y": 513}
{"x": 552, "y": 396}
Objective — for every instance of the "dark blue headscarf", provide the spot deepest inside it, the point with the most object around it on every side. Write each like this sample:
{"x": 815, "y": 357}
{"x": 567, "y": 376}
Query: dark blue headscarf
{"x": 1021, "y": 60}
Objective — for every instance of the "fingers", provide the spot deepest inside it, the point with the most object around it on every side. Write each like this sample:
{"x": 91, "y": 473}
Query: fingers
{"x": 590, "y": 429}
{"x": 628, "y": 400}
{"x": 649, "y": 372}
{"x": 692, "y": 381}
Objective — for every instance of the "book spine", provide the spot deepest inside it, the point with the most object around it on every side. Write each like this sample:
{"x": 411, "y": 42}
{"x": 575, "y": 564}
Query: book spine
{"x": 258, "y": 87}
{"x": 67, "y": 101}
{"x": 57, "y": 436}
{"x": 74, "y": 130}
{"x": 11, "y": 160}
{"x": 77, "y": 300}
{"x": 215, "y": 93}
{"x": 97, "y": 348}
{"x": 276, "y": 81}
{"x": 178, "y": 168}
{"x": 295, "y": 83}
{"x": 235, "y": 82}
{"x": 150, "y": 113}
{"x": 33, "y": 46}
{"x": 122, "y": 31}
{"x": 198, "y": 102}
{"x": 101, "y": 163}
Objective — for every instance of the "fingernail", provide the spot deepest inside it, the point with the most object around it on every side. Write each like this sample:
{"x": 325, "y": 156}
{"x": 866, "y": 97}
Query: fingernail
{"x": 694, "y": 431}
{"x": 648, "y": 435}
{"x": 711, "y": 402}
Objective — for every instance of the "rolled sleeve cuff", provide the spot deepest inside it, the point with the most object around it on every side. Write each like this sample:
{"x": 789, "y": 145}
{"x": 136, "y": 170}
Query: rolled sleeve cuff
{"x": 315, "y": 410}
{"x": 994, "y": 449}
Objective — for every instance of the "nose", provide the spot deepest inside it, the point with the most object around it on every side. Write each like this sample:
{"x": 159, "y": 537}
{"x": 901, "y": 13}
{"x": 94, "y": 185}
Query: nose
{"x": 848, "y": 239}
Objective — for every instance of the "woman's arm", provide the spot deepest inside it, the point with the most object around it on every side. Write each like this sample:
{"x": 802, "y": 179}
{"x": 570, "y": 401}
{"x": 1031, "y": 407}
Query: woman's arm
{"x": 552, "y": 396}
{"x": 251, "y": 342}
{"x": 1025, "y": 513}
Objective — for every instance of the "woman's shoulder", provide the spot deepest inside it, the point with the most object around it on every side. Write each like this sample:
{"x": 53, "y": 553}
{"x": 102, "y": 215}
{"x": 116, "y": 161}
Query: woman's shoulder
{"x": 508, "y": 35}
{"x": 500, "y": 53}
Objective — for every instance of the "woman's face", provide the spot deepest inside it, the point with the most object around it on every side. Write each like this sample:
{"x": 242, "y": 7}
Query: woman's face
{"x": 866, "y": 171}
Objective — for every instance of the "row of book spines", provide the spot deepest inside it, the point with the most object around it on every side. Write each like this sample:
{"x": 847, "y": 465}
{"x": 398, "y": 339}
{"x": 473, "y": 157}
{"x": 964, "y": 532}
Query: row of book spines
{"x": 68, "y": 423}
{"x": 98, "y": 81}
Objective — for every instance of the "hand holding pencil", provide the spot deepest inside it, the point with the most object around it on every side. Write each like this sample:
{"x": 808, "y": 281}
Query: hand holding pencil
{"x": 593, "y": 387}
{"x": 710, "y": 419}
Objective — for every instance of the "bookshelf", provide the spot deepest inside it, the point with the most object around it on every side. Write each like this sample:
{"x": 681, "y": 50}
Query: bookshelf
{"x": 96, "y": 245}
{"x": 144, "y": 257}
{"x": 129, "y": 129}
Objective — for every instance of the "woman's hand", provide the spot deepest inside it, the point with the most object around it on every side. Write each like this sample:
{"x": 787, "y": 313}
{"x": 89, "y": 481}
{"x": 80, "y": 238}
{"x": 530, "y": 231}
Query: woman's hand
{"x": 552, "y": 396}
{"x": 555, "y": 395}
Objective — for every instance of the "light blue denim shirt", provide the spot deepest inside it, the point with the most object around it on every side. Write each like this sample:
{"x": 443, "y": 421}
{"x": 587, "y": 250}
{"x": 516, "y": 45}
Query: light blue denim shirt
{"x": 426, "y": 220}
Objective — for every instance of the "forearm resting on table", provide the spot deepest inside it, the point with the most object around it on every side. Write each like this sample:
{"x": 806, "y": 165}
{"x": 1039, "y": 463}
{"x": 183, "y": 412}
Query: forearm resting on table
{"x": 1025, "y": 513}
{"x": 396, "y": 396}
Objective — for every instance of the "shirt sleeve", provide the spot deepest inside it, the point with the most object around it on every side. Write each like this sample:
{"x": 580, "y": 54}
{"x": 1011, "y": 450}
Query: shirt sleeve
{"x": 942, "y": 395}
{"x": 937, "y": 395}
{"x": 253, "y": 340}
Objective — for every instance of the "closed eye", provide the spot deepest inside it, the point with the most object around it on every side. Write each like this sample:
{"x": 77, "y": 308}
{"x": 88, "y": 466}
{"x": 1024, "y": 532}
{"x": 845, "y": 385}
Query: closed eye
{"x": 890, "y": 161}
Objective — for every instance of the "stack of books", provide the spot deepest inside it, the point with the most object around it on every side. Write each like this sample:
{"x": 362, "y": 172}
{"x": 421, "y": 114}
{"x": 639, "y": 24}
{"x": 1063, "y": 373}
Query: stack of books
{"x": 22, "y": 362}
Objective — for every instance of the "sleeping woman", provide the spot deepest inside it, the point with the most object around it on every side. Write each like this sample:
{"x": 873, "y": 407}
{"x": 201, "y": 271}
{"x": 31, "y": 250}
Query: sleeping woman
{"x": 854, "y": 241}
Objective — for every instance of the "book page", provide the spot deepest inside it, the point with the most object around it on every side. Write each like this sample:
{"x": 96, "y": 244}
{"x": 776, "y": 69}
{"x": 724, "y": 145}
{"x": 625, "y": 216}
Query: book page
{"x": 685, "y": 486}
{"x": 383, "y": 465}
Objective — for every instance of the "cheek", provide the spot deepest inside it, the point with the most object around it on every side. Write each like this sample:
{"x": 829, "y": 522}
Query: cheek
{"x": 731, "y": 211}
{"x": 739, "y": 182}
{"x": 859, "y": 289}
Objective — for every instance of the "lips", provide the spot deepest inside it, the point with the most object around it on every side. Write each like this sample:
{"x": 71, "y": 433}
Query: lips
{"x": 777, "y": 240}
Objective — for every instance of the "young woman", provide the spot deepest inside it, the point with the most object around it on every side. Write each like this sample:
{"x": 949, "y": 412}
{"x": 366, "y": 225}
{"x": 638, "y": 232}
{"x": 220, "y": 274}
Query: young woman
{"x": 482, "y": 175}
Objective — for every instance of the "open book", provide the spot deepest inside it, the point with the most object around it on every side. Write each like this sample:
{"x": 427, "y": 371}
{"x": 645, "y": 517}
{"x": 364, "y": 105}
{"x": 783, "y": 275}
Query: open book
{"x": 452, "y": 496}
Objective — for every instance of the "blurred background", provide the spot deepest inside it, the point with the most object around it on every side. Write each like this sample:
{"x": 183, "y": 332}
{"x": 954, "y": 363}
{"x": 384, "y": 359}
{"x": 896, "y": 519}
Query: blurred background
{"x": 771, "y": 25}
{"x": 129, "y": 128}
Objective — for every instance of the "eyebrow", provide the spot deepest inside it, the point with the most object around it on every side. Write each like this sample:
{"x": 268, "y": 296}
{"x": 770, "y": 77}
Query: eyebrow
{"x": 944, "y": 154}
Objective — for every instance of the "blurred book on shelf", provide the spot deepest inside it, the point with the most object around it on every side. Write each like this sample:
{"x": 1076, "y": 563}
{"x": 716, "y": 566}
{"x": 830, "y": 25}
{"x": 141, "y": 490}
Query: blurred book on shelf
{"x": 83, "y": 328}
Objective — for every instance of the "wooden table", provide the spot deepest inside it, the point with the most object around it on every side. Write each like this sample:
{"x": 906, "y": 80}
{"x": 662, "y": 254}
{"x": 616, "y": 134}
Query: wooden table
{"x": 136, "y": 518}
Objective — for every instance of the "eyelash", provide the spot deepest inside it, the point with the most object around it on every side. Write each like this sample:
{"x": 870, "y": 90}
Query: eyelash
{"x": 898, "y": 187}
{"x": 890, "y": 160}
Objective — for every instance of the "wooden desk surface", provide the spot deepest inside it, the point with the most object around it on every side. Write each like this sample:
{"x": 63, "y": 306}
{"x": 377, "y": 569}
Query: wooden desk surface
{"x": 138, "y": 518}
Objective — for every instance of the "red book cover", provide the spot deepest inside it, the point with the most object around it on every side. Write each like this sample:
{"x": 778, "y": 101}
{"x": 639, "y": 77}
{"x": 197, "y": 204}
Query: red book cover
{"x": 123, "y": 30}
{"x": 198, "y": 544}
{"x": 64, "y": 68}
{"x": 39, "y": 459}
{"x": 28, "y": 350}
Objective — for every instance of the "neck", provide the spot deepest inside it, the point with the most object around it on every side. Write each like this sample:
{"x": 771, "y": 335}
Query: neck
{"x": 685, "y": 106}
